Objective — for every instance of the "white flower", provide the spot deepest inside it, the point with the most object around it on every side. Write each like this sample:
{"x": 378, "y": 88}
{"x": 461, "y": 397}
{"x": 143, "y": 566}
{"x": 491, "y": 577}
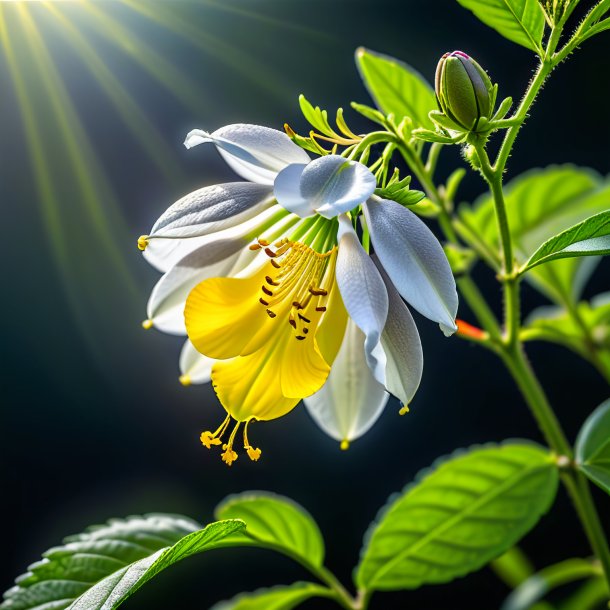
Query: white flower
{"x": 280, "y": 299}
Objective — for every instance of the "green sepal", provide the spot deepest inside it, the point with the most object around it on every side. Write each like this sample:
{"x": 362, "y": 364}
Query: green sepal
{"x": 372, "y": 114}
{"x": 434, "y": 136}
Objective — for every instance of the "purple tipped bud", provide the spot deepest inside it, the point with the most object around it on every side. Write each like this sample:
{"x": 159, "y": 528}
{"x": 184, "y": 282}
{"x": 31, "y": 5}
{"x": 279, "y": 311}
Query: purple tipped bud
{"x": 463, "y": 89}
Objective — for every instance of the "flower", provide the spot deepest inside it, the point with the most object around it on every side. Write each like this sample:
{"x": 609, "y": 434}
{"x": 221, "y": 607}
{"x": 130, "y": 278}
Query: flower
{"x": 279, "y": 298}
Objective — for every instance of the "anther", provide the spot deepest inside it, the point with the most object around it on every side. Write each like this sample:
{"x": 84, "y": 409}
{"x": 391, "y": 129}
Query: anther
{"x": 302, "y": 317}
{"x": 267, "y": 291}
{"x": 270, "y": 281}
{"x": 321, "y": 308}
{"x": 305, "y": 331}
{"x": 297, "y": 305}
{"x": 142, "y": 242}
{"x": 275, "y": 264}
{"x": 255, "y": 247}
{"x": 270, "y": 253}
{"x": 292, "y": 323}
{"x": 263, "y": 302}
{"x": 300, "y": 337}
{"x": 263, "y": 242}
{"x": 318, "y": 292}
{"x": 271, "y": 314}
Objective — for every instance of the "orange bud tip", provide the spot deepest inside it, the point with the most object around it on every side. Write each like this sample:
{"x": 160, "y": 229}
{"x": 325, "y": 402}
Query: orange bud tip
{"x": 469, "y": 331}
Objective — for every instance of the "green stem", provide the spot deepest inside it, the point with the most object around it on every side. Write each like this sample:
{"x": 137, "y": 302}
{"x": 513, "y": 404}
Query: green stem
{"x": 574, "y": 481}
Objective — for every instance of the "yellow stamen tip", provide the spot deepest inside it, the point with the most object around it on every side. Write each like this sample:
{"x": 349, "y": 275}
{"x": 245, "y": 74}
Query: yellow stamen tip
{"x": 185, "y": 380}
{"x": 208, "y": 439}
{"x": 404, "y": 410}
{"x": 142, "y": 242}
{"x": 344, "y": 445}
{"x": 229, "y": 456}
{"x": 253, "y": 454}
{"x": 147, "y": 324}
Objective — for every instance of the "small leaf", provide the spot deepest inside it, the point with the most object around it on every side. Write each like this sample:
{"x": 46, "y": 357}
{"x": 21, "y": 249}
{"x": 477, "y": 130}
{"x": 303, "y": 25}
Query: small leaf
{"x": 592, "y": 449}
{"x": 521, "y": 21}
{"x": 541, "y": 203}
{"x": 277, "y": 598}
{"x": 396, "y": 88}
{"x": 274, "y": 521}
{"x": 466, "y": 511}
{"x": 101, "y": 568}
{"x": 591, "y": 237}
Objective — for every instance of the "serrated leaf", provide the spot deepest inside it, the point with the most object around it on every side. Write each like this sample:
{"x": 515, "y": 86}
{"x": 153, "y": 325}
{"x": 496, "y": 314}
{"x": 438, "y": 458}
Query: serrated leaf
{"x": 521, "y": 21}
{"x": 592, "y": 449}
{"x": 276, "y": 598}
{"x": 102, "y": 567}
{"x": 274, "y": 521}
{"x": 591, "y": 237}
{"x": 460, "y": 515}
{"x": 541, "y": 203}
{"x": 396, "y": 88}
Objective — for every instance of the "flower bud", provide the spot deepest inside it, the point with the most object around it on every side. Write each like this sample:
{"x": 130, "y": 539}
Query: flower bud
{"x": 463, "y": 90}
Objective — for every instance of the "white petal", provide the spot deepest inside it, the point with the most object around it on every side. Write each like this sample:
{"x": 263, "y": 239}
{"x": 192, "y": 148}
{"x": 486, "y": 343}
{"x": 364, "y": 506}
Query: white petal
{"x": 364, "y": 294}
{"x": 287, "y": 191}
{"x": 402, "y": 346}
{"x": 191, "y": 220}
{"x": 414, "y": 260}
{"x": 256, "y": 153}
{"x": 330, "y": 185}
{"x": 351, "y": 400}
{"x": 194, "y": 367}
{"x": 166, "y": 303}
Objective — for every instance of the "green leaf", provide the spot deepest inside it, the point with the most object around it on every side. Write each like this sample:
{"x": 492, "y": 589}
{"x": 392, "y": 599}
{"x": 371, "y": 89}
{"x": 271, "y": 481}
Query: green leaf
{"x": 521, "y": 21}
{"x": 466, "y": 511}
{"x": 540, "y": 204}
{"x": 276, "y": 598}
{"x": 274, "y": 522}
{"x": 396, "y": 88}
{"x": 592, "y": 449}
{"x": 101, "y": 568}
{"x": 591, "y": 237}
{"x": 535, "y": 588}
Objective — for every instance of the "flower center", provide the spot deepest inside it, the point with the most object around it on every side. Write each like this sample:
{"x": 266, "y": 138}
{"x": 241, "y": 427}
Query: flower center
{"x": 299, "y": 277}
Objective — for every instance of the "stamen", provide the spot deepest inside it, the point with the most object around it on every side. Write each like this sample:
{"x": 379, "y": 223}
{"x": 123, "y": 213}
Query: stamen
{"x": 253, "y": 453}
{"x": 267, "y": 291}
{"x": 228, "y": 455}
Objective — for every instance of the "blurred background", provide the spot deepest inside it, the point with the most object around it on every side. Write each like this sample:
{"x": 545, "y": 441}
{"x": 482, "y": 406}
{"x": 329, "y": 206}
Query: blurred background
{"x": 96, "y": 98}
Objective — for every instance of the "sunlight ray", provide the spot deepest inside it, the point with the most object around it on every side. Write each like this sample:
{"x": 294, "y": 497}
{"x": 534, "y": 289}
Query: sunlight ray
{"x": 244, "y": 64}
{"x": 107, "y": 219}
{"x": 164, "y": 72}
{"x": 144, "y": 131}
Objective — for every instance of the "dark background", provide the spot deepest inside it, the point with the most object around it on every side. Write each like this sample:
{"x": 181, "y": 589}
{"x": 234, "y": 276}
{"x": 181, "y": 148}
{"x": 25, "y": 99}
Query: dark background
{"x": 94, "y": 424}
